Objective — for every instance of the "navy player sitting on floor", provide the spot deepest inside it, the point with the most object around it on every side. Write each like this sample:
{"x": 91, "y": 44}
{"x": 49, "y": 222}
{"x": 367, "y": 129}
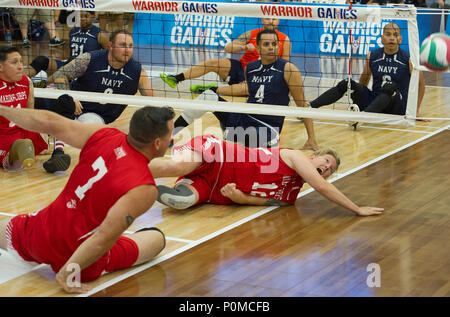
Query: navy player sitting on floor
{"x": 391, "y": 69}
{"x": 232, "y": 70}
{"x": 85, "y": 38}
{"x": 112, "y": 71}
{"x": 269, "y": 80}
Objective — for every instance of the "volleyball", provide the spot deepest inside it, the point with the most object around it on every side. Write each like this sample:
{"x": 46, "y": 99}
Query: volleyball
{"x": 435, "y": 52}
{"x": 90, "y": 117}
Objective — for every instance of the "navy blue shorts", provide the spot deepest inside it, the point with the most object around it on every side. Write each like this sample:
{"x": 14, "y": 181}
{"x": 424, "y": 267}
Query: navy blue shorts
{"x": 60, "y": 63}
{"x": 236, "y": 74}
{"x": 365, "y": 96}
{"x": 248, "y": 130}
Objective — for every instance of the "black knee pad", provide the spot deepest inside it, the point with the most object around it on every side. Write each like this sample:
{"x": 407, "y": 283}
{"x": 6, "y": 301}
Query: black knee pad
{"x": 40, "y": 63}
{"x": 389, "y": 88}
{"x": 343, "y": 84}
{"x": 64, "y": 106}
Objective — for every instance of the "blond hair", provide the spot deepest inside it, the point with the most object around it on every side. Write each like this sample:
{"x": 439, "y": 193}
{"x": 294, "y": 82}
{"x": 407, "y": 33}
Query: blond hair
{"x": 330, "y": 151}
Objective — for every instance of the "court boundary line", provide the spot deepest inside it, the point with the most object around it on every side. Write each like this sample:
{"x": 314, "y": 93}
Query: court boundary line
{"x": 7, "y": 214}
{"x": 189, "y": 246}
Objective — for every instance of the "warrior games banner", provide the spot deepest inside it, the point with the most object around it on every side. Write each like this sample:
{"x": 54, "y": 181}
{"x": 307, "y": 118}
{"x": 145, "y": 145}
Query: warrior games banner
{"x": 312, "y": 28}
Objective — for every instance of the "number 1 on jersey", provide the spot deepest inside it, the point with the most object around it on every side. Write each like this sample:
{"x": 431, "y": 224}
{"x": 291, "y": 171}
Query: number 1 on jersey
{"x": 257, "y": 185}
{"x": 99, "y": 165}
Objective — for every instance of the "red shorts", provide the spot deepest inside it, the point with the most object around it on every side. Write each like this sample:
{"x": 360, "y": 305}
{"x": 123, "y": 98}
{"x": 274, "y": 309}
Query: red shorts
{"x": 208, "y": 178}
{"x": 21, "y": 237}
{"x": 6, "y": 140}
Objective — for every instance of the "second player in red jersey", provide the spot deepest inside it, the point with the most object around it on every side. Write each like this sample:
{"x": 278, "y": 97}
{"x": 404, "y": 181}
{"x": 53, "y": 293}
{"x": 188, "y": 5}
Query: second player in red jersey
{"x": 259, "y": 172}
{"x": 16, "y": 92}
{"x": 219, "y": 172}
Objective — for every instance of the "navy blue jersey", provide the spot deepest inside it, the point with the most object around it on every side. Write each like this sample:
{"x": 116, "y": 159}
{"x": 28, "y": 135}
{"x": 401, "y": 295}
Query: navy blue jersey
{"x": 266, "y": 85}
{"x": 102, "y": 77}
{"x": 391, "y": 68}
{"x": 84, "y": 41}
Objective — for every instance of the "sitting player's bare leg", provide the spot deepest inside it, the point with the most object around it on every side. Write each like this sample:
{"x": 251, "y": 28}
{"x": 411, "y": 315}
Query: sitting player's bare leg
{"x": 219, "y": 66}
{"x": 150, "y": 242}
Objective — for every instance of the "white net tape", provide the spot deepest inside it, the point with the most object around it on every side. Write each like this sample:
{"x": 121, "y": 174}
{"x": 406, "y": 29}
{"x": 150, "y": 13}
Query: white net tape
{"x": 236, "y": 107}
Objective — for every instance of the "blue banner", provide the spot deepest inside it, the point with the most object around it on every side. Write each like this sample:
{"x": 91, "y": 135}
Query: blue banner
{"x": 307, "y": 37}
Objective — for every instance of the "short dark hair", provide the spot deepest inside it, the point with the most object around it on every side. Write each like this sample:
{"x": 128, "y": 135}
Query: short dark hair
{"x": 392, "y": 25}
{"x": 116, "y": 32}
{"x": 90, "y": 12}
{"x": 5, "y": 51}
{"x": 149, "y": 123}
{"x": 265, "y": 31}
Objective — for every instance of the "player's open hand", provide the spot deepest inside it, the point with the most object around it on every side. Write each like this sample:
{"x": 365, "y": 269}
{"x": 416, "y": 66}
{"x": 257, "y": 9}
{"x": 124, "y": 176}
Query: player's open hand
{"x": 70, "y": 286}
{"x": 370, "y": 211}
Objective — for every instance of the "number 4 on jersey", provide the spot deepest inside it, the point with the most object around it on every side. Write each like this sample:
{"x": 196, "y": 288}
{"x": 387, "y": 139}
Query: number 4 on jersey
{"x": 259, "y": 96}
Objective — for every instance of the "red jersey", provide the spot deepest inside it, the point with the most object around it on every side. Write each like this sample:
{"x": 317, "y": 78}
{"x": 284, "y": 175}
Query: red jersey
{"x": 15, "y": 95}
{"x": 108, "y": 168}
{"x": 259, "y": 172}
{"x": 253, "y": 55}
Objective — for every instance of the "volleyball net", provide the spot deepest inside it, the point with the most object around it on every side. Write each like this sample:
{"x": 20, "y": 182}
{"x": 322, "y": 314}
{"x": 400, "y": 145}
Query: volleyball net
{"x": 329, "y": 43}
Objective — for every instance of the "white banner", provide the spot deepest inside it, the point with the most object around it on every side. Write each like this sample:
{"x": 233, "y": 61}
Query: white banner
{"x": 299, "y": 11}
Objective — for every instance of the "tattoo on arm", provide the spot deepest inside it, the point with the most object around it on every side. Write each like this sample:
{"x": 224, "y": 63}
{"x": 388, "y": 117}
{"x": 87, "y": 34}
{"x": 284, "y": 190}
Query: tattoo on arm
{"x": 129, "y": 219}
{"x": 245, "y": 37}
{"x": 275, "y": 202}
{"x": 76, "y": 68}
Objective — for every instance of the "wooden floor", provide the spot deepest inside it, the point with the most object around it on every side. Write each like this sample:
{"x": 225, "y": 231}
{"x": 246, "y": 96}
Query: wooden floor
{"x": 311, "y": 249}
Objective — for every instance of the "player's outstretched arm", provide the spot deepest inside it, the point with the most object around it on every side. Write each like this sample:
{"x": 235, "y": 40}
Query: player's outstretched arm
{"x": 71, "y": 132}
{"x": 240, "y": 44}
{"x": 303, "y": 166}
{"x": 240, "y": 89}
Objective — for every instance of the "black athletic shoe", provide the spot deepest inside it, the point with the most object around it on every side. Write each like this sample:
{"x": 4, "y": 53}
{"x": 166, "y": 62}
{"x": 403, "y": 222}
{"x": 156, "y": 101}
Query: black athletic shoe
{"x": 58, "y": 162}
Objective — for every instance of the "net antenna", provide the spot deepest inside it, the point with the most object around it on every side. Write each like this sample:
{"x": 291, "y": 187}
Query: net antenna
{"x": 349, "y": 77}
